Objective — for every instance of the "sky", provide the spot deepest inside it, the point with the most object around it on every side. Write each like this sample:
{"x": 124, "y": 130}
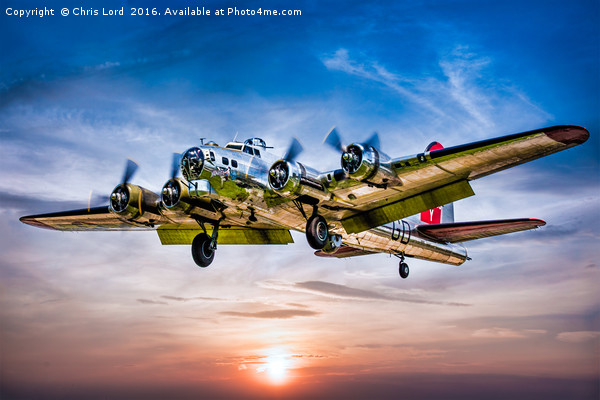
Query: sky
{"x": 117, "y": 315}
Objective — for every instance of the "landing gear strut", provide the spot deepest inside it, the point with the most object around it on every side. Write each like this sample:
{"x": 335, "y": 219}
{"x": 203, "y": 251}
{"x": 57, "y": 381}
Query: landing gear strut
{"x": 403, "y": 269}
{"x": 317, "y": 232}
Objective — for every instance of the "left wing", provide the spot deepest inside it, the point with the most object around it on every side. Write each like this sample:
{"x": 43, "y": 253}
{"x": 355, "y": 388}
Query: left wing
{"x": 101, "y": 219}
{"x": 87, "y": 219}
{"x": 457, "y": 232}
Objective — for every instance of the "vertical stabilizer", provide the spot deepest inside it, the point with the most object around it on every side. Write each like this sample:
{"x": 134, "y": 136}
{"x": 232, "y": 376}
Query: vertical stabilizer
{"x": 448, "y": 213}
{"x": 438, "y": 215}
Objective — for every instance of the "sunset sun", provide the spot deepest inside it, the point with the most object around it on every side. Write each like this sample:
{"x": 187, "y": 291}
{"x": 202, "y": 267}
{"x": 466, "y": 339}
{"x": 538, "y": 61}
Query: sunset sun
{"x": 276, "y": 366}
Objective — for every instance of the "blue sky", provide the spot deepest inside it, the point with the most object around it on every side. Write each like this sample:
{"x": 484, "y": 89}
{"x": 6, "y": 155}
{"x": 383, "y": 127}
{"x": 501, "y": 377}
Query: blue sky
{"x": 79, "y": 95}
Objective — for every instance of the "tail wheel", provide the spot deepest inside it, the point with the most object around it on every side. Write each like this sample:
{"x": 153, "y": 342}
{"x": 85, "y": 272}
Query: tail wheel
{"x": 317, "y": 232}
{"x": 403, "y": 270}
{"x": 203, "y": 250}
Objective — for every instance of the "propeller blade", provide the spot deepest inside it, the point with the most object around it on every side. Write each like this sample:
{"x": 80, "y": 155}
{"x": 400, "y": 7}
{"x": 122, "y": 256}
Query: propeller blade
{"x": 334, "y": 140}
{"x": 175, "y": 165}
{"x": 130, "y": 169}
{"x": 293, "y": 151}
{"x": 373, "y": 141}
{"x": 95, "y": 200}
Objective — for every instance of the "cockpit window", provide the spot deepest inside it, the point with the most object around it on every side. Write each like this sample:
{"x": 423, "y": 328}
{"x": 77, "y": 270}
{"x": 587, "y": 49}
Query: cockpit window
{"x": 248, "y": 149}
{"x": 257, "y": 153}
{"x": 234, "y": 146}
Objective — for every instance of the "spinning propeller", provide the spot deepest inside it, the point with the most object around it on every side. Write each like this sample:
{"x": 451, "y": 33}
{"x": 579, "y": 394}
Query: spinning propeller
{"x": 130, "y": 169}
{"x": 279, "y": 172}
{"x": 293, "y": 150}
{"x": 119, "y": 198}
{"x": 334, "y": 140}
{"x": 352, "y": 154}
{"x": 171, "y": 191}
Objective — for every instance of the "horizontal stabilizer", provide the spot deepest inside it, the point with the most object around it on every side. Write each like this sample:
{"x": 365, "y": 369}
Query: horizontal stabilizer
{"x": 464, "y": 231}
{"x": 344, "y": 252}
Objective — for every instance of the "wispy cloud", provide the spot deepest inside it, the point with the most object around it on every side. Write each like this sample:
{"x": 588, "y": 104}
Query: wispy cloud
{"x": 506, "y": 333}
{"x": 578, "y": 337}
{"x": 335, "y": 290}
{"x": 371, "y": 70}
{"x": 186, "y": 299}
{"x": 326, "y": 289}
{"x": 463, "y": 96}
{"x": 272, "y": 314}
{"x": 461, "y": 69}
{"x": 152, "y": 302}
{"x": 338, "y": 291}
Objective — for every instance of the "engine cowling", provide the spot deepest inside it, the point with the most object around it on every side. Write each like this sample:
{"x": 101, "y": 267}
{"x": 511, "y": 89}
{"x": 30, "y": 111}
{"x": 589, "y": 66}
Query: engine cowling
{"x": 174, "y": 196}
{"x": 365, "y": 163}
{"x": 132, "y": 202}
{"x": 292, "y": 179}
{"x": 334, "y": 242}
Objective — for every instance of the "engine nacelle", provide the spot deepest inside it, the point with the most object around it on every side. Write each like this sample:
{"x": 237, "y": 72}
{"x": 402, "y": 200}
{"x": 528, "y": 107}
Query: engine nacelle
{"x": 292, "y": 179}
{"x": 365, "y": 163}
{"x": 175, "y": 196}
{"x": 334, "y": 242}
{"x": 132, "y": 202}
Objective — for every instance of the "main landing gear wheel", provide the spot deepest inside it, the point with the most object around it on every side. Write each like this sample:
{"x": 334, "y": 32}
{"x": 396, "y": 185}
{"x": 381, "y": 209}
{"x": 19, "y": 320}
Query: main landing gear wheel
{"x": 403, "y": 270}
{"x": 317, "y": 232}
{"x": 203, "y": 250}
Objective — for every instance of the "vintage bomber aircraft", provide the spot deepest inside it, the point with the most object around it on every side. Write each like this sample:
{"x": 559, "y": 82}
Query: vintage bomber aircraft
{"x": 242, "y": 194}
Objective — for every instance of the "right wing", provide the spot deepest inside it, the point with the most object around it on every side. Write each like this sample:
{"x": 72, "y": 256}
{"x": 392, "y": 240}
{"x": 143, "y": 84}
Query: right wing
{"x": 437, "y": 177}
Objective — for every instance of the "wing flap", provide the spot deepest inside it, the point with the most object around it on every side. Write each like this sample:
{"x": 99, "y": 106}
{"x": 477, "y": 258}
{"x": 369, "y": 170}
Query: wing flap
{"x": 408, "y": 206}
{"x": 181, "y": 234}
{"x": 464, "y": 231}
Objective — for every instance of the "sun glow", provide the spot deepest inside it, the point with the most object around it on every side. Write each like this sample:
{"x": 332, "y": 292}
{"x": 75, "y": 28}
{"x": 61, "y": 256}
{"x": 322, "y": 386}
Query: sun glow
{"x": 276, "y": 365}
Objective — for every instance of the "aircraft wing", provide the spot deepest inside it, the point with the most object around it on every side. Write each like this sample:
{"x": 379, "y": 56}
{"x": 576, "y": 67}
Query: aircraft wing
{"x": 464, "y": 231}
{"x": 431, "y": 179}
{"x": 101, "y": 219}
{"x": 87, "y": 219}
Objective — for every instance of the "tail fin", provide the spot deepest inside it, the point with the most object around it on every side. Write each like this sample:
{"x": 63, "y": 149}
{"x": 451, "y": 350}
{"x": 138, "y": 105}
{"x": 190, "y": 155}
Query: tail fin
{"x": 439, "y": 215}
{"x": 434, "y": 146}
